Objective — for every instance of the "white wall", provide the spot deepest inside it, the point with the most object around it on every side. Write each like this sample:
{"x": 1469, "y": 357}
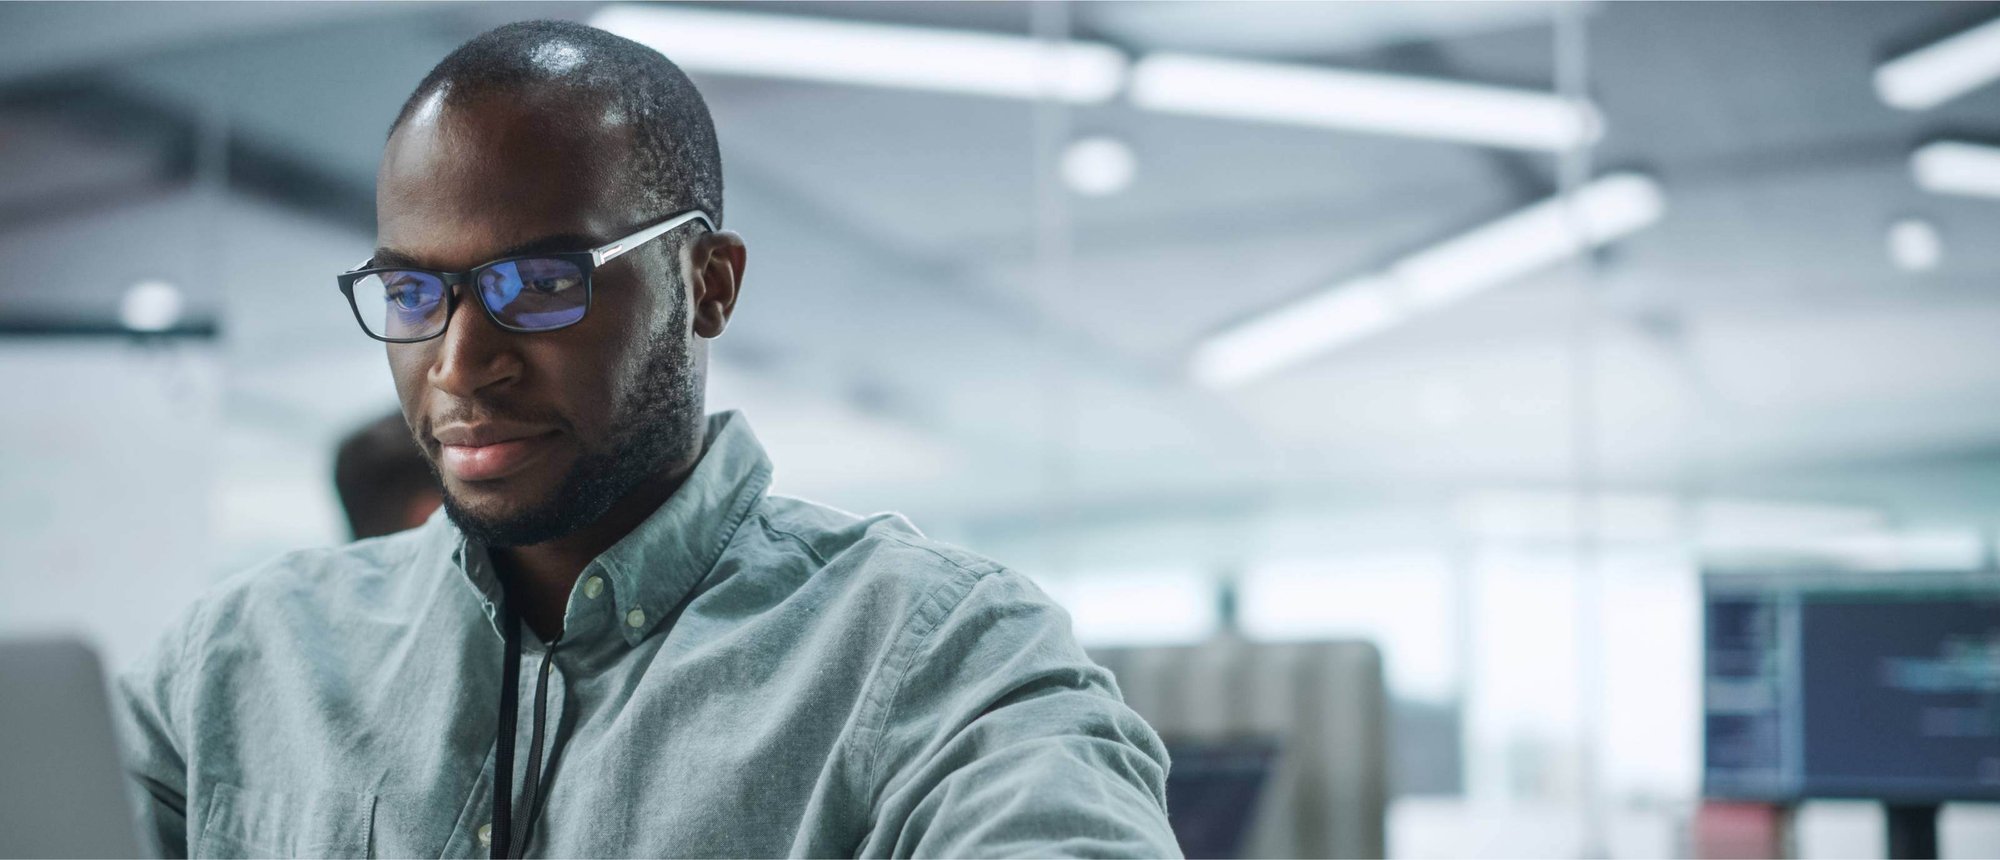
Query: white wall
{"x": 107, "y": 450}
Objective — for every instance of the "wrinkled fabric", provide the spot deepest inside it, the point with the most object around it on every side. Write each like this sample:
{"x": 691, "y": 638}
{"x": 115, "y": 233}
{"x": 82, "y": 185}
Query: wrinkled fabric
{"x": 744, "y": 675}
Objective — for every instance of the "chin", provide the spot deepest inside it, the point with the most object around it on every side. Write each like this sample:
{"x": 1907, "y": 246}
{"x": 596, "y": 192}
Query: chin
{"x": 501, "y": 498}
{"x": 506, "y": 519}
{"x": 553, "y": 499}
{"x": 485, "y": 506}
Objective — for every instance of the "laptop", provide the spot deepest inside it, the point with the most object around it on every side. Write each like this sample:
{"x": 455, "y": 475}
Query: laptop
{"x": 63, "y": 792}
{"x": 1212, "y": 792}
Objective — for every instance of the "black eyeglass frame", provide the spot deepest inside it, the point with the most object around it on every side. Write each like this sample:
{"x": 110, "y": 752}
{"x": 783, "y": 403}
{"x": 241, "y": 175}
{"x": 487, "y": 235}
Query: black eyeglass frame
{"x": 586, "y": 262}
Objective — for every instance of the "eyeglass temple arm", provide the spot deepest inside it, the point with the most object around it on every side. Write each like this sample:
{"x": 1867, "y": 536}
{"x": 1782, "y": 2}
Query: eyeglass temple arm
{"x": 606, "y": 253}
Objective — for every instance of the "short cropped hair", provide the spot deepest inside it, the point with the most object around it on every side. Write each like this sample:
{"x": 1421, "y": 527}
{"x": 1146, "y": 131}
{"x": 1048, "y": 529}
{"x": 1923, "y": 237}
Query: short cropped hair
{"x": 378, "y": 473}
{"x": 676, "y": 158}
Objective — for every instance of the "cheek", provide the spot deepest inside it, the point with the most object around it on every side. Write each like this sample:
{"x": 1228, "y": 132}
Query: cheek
{"x": 582, "y": 374}
{"x": 603, "y": 359}
{"x": 408, "y": 366}
{"x": 628, "y": 316}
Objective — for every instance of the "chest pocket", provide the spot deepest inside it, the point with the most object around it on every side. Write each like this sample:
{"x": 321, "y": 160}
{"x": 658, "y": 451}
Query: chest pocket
{"x": 241, "y": 822}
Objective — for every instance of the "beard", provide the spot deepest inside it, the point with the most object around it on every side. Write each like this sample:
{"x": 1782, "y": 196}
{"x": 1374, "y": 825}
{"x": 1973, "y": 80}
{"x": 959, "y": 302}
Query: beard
{"x": 652, "y": 428}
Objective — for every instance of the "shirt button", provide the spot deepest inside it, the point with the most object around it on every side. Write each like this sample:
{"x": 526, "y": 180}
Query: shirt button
{"x": 635, "y": 618}
{"x": 593, "y": 587}
{"x": 485, "y": 835}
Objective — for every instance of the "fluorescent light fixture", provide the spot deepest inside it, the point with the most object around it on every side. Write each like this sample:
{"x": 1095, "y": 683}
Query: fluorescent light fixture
{"x": 1530, "y": 239}
{"x": 879, "y": 55}
{"x": 1294, "y": 333}
{"x": 1938, "y": 73}
{"x": 1956, "y": 167}
{"x": 1362, "y": 101}
{"x": 1518, "y": 244}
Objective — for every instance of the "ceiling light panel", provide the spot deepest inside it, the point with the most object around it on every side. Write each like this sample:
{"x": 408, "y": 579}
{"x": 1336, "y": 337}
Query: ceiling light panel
{"x": 1362, "y": 101}
{"x": 1956, "y": 167}
{"x": 878, "y": 55}
{"x": 1940, "y": 72}
{"x": 1291, "y": 334}
{"x": 1519, "y": 244}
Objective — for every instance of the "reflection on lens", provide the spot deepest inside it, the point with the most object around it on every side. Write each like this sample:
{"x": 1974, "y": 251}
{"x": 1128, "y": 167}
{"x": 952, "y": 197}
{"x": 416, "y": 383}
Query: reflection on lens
{"x": 400, "y": 305}
{"x": 535, "y": 294}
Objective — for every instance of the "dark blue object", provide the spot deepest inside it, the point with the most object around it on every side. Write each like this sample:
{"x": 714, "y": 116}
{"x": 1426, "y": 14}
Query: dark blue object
{"x": 1212, "y": 792}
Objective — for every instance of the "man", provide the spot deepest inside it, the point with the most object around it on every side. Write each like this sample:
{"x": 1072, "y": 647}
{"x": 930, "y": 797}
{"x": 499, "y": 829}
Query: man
{"x": 613, "y": 642}
{"x": 384, "y": 482}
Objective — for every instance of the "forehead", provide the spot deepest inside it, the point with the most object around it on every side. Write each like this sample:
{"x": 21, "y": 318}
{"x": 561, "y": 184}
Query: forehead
{"x": 464, "y": 178}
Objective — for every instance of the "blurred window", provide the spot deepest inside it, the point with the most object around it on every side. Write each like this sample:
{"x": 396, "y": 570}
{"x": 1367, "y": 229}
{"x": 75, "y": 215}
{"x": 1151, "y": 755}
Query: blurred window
{"x": 1403, "y": 602}
{"x": 1137, "y": 607}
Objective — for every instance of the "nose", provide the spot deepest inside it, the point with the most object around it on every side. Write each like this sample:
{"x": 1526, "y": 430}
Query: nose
{"x": 474, "y": 354}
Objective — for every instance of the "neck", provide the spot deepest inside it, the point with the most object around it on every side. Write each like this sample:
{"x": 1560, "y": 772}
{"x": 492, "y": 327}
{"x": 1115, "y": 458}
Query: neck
{"x": 539, "y": 578}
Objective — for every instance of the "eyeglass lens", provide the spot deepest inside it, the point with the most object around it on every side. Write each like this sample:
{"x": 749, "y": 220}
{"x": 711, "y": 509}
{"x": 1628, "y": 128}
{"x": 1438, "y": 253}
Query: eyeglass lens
{"x": 528, "y": 295}
{"x": 534, "y": 294}
{"x": 400, "y": 305}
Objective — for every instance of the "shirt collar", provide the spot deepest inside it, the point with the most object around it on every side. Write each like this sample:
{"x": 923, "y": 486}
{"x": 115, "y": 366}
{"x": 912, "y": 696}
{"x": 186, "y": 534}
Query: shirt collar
{"x": 647, "y": 574}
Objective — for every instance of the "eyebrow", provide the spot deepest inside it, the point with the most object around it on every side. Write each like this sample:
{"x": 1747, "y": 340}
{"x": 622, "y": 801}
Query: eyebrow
{"x": 386, "y": 257}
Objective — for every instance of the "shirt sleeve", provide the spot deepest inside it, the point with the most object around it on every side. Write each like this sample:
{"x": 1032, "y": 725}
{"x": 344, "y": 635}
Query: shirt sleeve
{"x": 146, "y": 702}
{"x": 1002, "y": 739}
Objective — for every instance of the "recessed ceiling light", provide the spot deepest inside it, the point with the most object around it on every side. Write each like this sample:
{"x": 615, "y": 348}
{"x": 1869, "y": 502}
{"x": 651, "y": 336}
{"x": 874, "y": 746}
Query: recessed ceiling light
{"x": 1915, "y": 246}
{"x": 150, "y": 306}
{"x": 1098, "y": 166}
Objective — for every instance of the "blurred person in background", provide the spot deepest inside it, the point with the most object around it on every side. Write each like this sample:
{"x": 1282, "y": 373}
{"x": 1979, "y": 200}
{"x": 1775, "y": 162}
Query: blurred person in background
{"x": 616, "y": 642}
{"x": 385, "y": 484}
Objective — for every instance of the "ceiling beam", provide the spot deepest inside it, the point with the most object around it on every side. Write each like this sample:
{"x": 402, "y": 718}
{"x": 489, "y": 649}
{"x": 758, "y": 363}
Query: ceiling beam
{"x": 96, "y": 106}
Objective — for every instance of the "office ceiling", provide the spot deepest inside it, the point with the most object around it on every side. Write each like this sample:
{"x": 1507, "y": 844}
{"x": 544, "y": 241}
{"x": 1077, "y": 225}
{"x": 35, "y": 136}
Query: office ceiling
{"x": 901, "y": 343}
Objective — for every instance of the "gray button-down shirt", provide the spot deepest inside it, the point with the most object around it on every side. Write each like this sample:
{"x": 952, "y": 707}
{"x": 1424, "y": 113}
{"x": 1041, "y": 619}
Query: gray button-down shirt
{"x": 743, "y": 675}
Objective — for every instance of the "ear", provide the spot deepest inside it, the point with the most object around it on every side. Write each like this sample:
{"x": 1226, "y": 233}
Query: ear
{"x": 716, "y": 271}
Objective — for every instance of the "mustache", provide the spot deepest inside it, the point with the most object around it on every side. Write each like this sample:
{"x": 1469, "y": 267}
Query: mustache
{"x": 482, "y": 413}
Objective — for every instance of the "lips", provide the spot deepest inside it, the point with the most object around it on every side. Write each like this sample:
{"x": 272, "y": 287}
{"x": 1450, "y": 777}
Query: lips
{"x": 486, "y": 452}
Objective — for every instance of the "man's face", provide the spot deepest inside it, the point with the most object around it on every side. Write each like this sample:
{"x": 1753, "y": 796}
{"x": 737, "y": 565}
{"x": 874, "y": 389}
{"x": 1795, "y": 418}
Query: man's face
{"x": 535, "y": 435}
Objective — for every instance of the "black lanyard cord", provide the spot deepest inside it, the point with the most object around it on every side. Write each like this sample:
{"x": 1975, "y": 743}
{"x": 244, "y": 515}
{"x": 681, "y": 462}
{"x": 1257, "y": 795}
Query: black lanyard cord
{"x": 531, "y": 795}
{"x": 503, "y": 755}
{"x": 502, "y": 841}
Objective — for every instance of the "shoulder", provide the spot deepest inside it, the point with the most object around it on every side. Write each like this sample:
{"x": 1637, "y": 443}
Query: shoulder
{"x": 314, "y": 588}
{"x": 883, "y": 562}
{"x": 300, "y": 602}
{"x": 882, "y": 546}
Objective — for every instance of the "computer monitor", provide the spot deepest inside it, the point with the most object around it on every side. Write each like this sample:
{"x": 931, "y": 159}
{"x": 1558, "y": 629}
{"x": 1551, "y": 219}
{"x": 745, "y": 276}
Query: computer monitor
{"x": 63, "y": 792}
{"x": 1841, "y": 684}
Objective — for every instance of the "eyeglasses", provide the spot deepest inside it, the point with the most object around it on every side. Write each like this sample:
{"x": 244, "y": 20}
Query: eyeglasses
{"x": 528, "y": 293}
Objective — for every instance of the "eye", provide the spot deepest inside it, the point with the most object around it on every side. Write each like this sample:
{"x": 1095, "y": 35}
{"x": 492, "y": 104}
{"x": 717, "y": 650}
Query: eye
{"x": 411, "y": 294}
{"x": 553, "y": 285}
